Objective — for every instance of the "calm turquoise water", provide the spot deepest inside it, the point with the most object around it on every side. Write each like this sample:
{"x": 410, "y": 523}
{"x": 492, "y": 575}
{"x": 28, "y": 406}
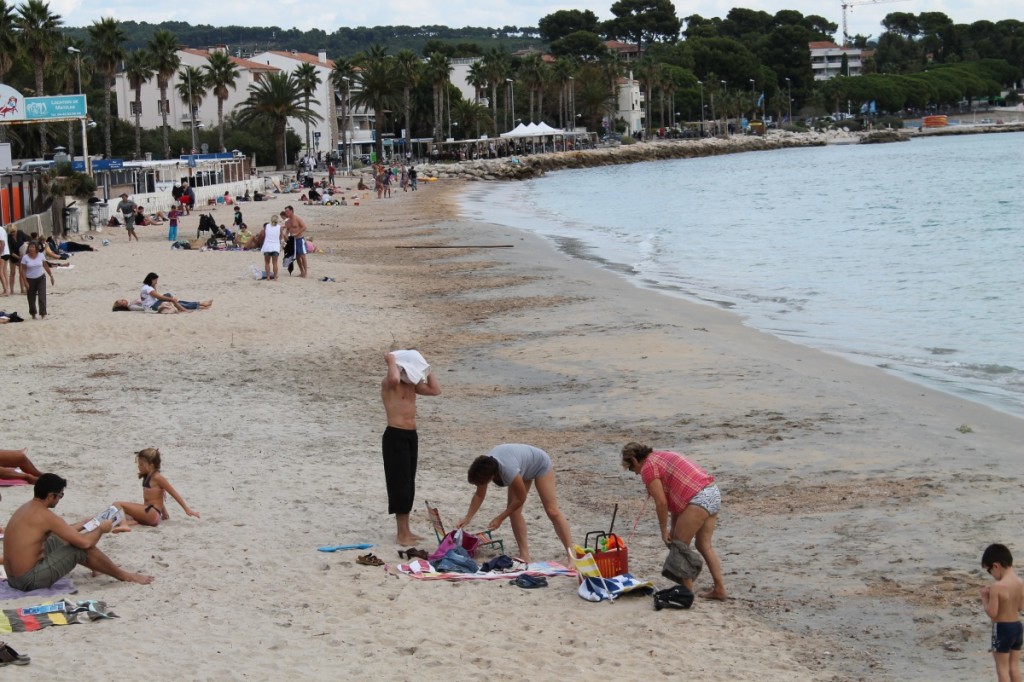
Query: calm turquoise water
{"x": 906, "y": 256}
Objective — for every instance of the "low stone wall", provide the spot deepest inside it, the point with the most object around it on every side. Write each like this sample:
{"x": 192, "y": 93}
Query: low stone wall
{"x": 536, "y": 165}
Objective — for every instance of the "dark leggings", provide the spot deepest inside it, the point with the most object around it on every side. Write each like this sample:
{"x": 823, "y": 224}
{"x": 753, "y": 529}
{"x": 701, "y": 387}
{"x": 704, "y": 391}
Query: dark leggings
{"x": 37, "y": 287}
{"x": 400, "y": 448}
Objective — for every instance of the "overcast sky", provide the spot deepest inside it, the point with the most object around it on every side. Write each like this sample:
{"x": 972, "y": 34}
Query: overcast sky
{"x": 328, "y": 16}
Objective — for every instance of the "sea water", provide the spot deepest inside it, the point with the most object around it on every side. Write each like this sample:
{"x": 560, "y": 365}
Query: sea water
{"x": 908, "y": 256}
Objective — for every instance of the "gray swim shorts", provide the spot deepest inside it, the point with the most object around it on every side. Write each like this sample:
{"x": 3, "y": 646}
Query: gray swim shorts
{"x": 59, "y": 559}
{"x": 709, "y": 499}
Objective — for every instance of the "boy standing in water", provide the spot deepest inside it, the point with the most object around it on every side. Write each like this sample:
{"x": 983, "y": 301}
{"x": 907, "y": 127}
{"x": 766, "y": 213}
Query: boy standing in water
{"x": 1003, "y": 602}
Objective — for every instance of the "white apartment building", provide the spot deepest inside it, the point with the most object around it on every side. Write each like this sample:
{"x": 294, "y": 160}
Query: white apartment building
{"x": 827, "y": 60}
{"x": 179, "y": 115}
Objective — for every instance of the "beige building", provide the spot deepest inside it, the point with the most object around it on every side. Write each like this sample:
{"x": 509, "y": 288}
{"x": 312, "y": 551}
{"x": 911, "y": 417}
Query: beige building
{"x": 827, "y": 60}
{"x": 179, "y": 115}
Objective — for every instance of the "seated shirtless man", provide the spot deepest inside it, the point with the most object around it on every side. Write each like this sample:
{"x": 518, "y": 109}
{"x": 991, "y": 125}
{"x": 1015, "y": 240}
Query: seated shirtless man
{"x": 40, "y": 547}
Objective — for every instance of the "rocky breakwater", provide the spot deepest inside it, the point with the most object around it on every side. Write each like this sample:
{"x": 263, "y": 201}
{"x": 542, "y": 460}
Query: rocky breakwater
{"x": 536, "y": 165}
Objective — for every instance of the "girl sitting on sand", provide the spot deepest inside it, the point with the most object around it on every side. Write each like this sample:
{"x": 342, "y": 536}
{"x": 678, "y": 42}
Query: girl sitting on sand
{"x": 155, "y": 487}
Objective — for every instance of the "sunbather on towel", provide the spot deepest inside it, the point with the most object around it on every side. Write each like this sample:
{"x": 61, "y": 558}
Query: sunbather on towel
{"x": 17, "y": 459}
{"x": 515, "y": 466}
{"x": 40, "y": 547}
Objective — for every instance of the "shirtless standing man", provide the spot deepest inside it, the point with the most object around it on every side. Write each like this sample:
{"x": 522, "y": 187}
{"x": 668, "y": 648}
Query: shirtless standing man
{"x": 400, "y": 443}
{"x": 40, "y": 547}
{"x": 297, "y": 229}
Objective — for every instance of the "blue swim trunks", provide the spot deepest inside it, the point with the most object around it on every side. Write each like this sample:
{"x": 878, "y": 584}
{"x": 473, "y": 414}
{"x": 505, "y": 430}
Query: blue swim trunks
{"x": 1007, "y": 637}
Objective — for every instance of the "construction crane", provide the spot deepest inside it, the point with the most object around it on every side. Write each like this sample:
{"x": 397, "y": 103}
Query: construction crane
{"x": 856, "y": 3}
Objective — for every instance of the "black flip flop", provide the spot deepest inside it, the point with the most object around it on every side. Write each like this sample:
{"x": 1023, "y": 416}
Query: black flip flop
{"x": 9, "y": 656}
{"x": 529, "y": 582}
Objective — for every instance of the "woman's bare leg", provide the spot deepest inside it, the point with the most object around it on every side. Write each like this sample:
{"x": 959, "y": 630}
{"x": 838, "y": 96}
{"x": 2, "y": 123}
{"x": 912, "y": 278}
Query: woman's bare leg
{"x": 549, "y": 498}
{"x": 18, "y": 459}
{"x": 519, "y": 528}
{"x": 693, "y": 521}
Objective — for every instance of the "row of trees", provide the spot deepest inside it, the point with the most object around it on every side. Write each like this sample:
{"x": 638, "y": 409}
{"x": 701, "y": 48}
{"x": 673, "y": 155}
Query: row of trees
{"x": 721, "y": 68}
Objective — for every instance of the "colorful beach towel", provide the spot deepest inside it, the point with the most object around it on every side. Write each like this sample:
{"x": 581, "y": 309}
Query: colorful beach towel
{"x": 67, "y": 612}
{"x": 422, "y": 570}
{"x": 59, "y": 588}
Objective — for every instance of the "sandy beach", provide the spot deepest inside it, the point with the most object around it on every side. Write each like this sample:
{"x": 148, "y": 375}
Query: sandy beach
{"x": 854, "y": 515}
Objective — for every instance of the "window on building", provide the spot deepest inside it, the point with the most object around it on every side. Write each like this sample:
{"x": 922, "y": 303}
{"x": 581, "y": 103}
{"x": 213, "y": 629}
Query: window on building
{"x": 136, "y": 107}
{"x": 163, "y": 106}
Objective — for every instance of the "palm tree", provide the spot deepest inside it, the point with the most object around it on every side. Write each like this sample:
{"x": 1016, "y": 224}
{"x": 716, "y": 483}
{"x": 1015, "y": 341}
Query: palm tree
{"x": 497, "y": 68}
{"x": 192, "y": 87}
{"x": 408, "y": 67}
{"x": 273, "y": 100}
{"x": 221, "y": 74}
{"x": 342, "y": 75}
{"x": 8, "y": 48}
{"x": 439, "y": 72}
{"x": 308, "y": 79}
{"x": 477, "y": 77}
{"x": 138, "y": 70}
{"x": 563, "y": 74}
{"x": 531, "y": 75}
{"x": 107, "y": 50}
{"x": 470, "y": 116}
{"x": 379, "y": 89}
{"x": 163, "y": 56}
{"x": 38, "y": 32}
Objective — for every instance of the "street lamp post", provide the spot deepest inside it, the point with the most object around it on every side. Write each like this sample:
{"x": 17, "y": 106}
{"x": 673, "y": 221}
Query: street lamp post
{"x": 701, "y": 84}
{"x": 71, "y": 139}
{"x": 789, "y": 93}
{"x": 512, "y": 98}
{"x": 191, "y": 121}
{"x": 725, "y": 112}
{"x": 78, "y": 60}
{"x": 753, "y": 99}
{"x": 572, "y": 102}
{"x": 346, "y": 142}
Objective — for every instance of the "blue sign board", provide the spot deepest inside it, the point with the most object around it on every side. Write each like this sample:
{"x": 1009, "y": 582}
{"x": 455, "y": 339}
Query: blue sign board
{"x": 206, "y": 157}
{"x": 61, "y": 106}
{"x": 99, "y": 165}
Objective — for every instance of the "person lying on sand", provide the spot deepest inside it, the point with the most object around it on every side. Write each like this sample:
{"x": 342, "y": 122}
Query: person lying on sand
{"x": 124, "y": 305}
{"x": 40, "y": 547}
{"x": 151, "y": 298}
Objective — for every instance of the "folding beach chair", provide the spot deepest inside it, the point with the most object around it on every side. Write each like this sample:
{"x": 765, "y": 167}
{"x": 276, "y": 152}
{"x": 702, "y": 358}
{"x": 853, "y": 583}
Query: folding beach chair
{"x": 439, "y": 531}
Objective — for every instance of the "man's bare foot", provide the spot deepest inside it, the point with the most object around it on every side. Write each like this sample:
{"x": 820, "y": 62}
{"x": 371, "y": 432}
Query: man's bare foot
{"x": 138, "y": 578}
{"x": 409, "y": 540}
{"x": 714, "y": 594}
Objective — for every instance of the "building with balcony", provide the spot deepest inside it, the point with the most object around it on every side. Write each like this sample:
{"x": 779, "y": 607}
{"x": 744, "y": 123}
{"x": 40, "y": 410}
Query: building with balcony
{"x": 827, "y": 60}
{"x": 178, "y": 112}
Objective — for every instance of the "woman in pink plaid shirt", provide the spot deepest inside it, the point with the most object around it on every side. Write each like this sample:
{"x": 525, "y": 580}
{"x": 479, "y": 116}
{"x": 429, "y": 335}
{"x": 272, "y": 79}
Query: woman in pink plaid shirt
{"x": 687, "y": 492}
